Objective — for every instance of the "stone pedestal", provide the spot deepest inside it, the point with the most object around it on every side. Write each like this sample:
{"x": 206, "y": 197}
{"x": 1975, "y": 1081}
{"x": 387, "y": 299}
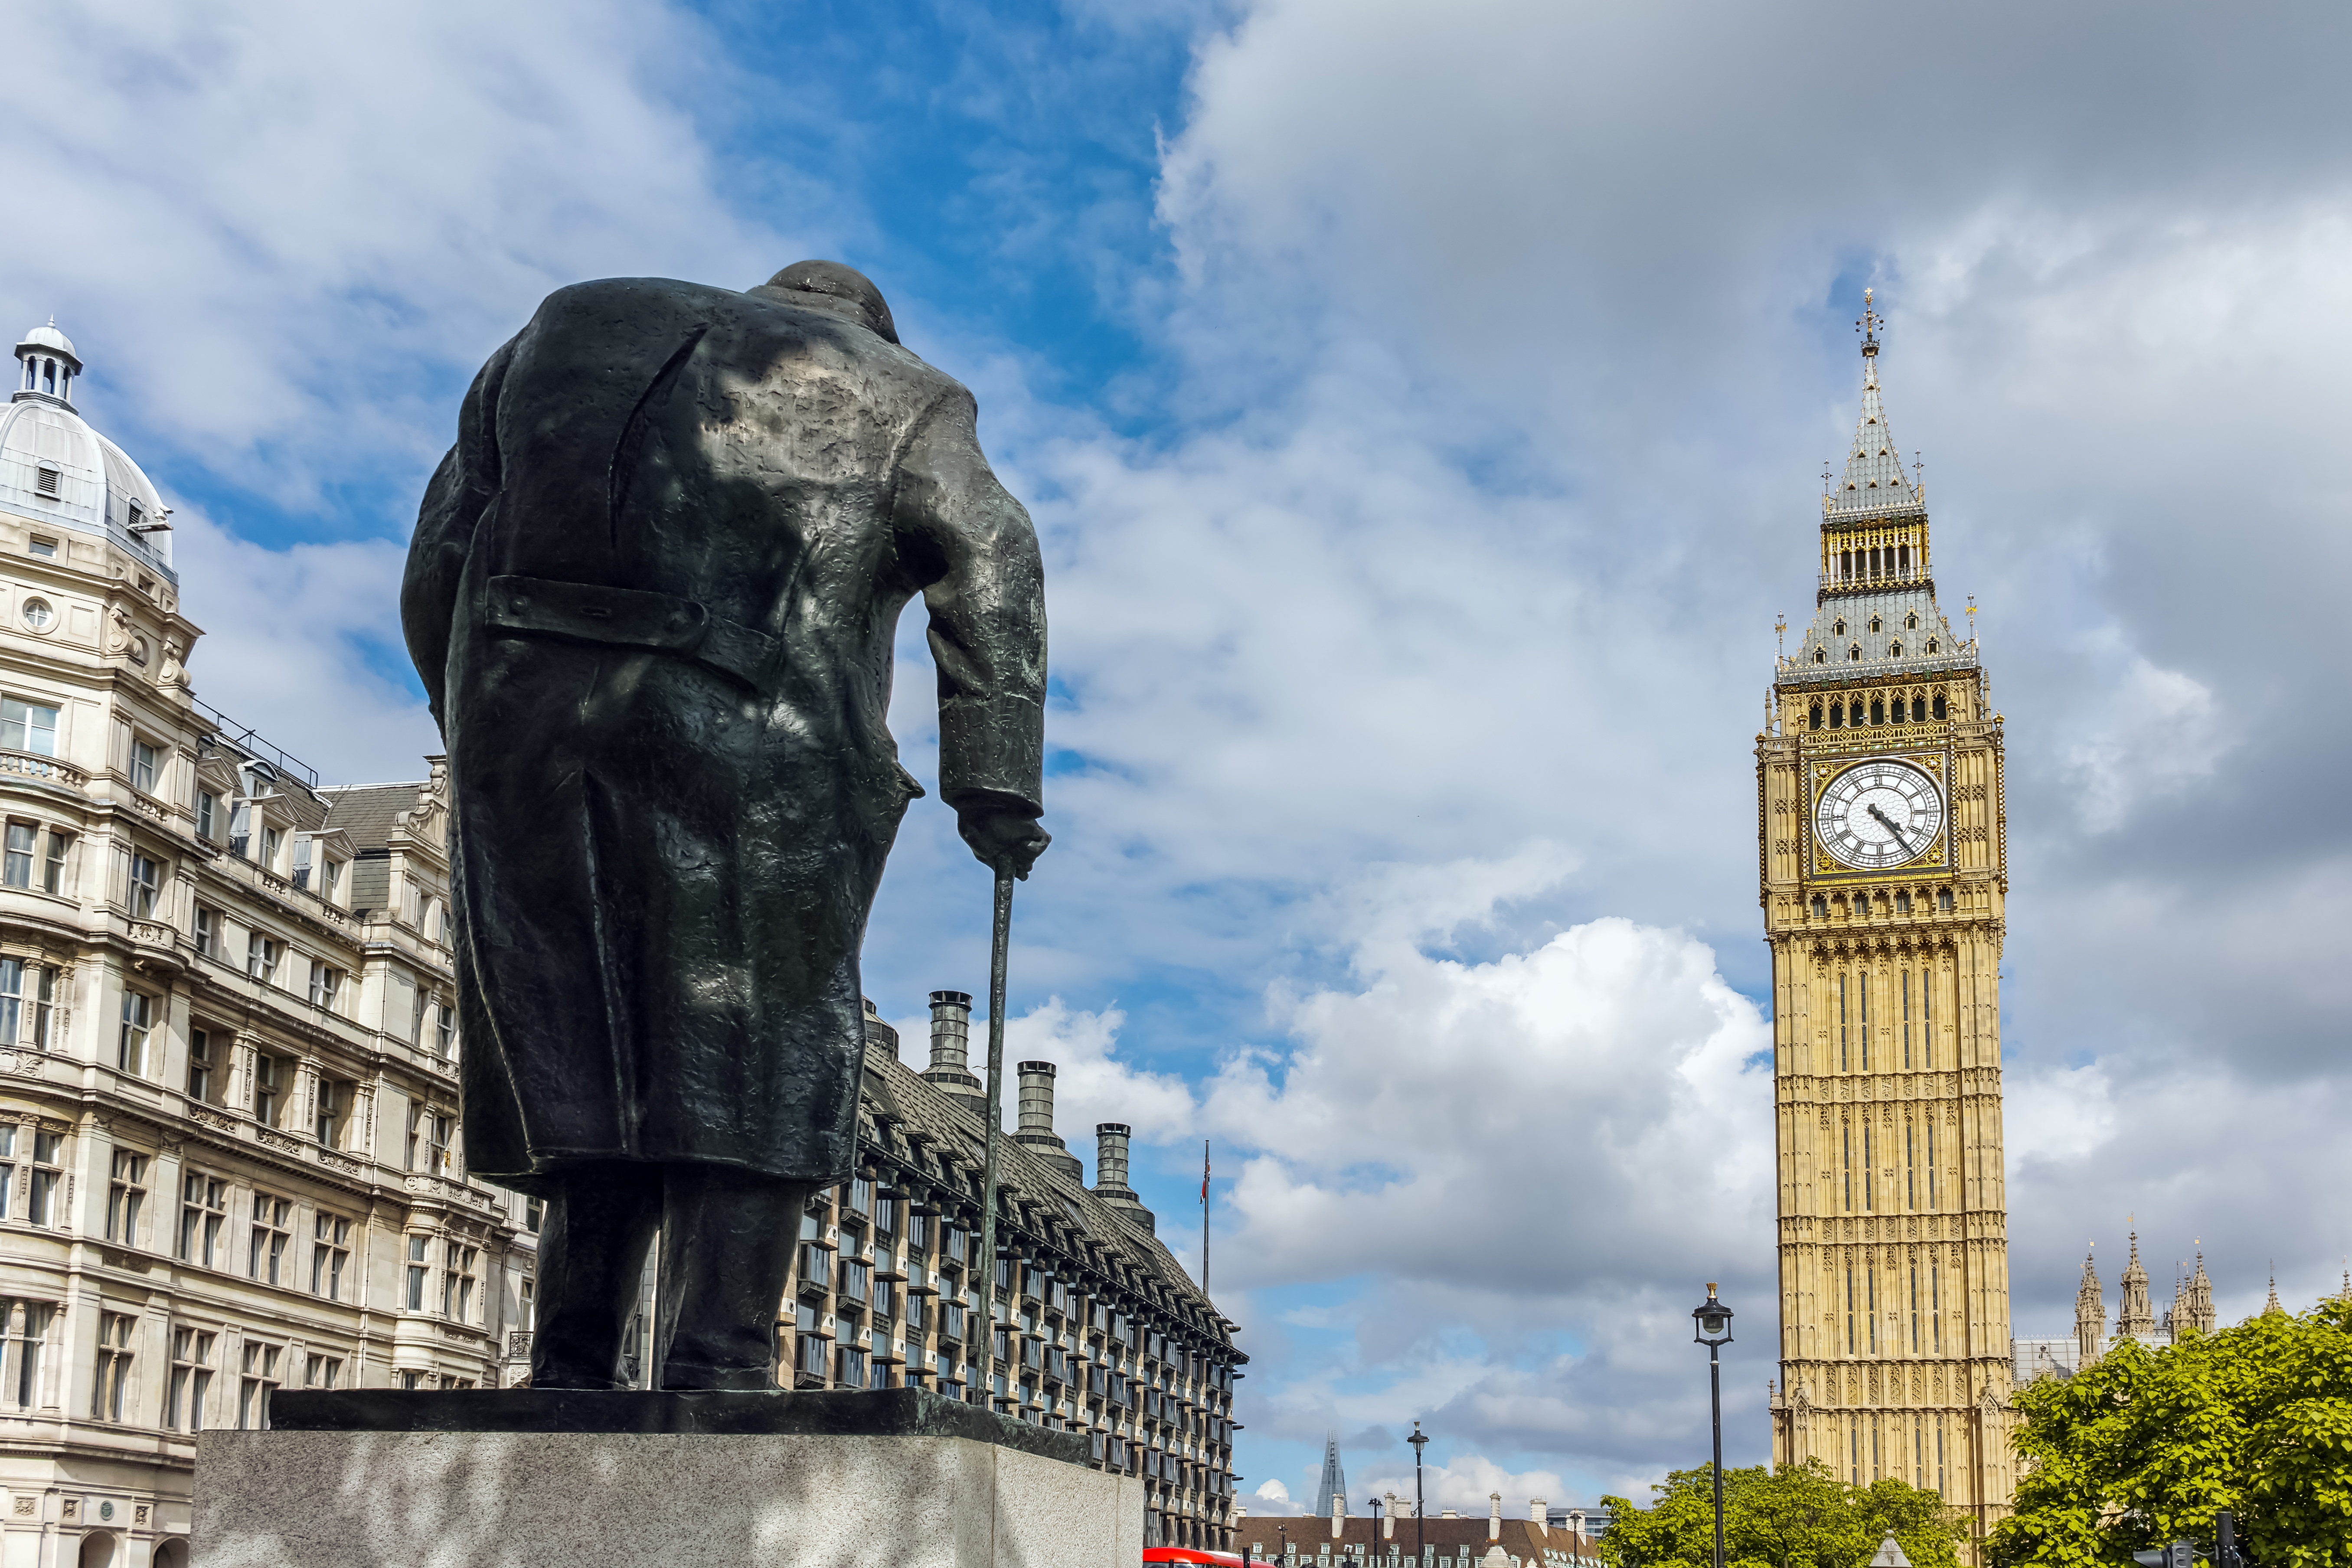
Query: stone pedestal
{"x": 549, "y": 1479}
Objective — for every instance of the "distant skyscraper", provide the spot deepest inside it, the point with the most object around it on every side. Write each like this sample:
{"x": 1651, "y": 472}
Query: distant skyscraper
{"x": 1333, "y": 1487}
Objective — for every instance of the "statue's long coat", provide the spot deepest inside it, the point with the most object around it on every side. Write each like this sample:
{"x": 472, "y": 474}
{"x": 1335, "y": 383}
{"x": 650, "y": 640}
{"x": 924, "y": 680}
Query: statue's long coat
{"x": 664, "y": 862}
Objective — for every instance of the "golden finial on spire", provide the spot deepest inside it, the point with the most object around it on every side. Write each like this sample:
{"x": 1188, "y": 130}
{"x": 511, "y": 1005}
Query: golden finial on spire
{"x": 1781, "y": 635}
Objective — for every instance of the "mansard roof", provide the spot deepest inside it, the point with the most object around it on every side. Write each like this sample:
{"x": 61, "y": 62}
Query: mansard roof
{"x": 919, "y": 1134}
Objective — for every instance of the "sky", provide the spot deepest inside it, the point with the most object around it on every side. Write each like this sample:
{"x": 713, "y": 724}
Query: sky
{"x": 1422, "y": 410}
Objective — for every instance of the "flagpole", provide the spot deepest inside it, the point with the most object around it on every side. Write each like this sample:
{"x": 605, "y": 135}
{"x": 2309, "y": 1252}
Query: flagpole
{"x": 1204, "y": 1217}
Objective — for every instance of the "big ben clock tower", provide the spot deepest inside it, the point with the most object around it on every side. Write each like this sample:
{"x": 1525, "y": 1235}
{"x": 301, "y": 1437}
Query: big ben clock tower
{"x": 1882, "y": 849}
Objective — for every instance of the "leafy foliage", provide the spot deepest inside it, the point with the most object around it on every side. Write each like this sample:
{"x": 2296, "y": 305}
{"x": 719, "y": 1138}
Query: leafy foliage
{"x": 2148, "y": 1444}
{"x": 1797, "y": 1516}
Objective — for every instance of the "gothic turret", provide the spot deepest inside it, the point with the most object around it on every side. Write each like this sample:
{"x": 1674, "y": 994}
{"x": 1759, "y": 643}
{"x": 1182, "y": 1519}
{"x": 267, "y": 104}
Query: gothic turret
{"x": 2199, "y": 1305}
{"x": 2136, "y": 1318}
{"x": 2090, "y": 1319}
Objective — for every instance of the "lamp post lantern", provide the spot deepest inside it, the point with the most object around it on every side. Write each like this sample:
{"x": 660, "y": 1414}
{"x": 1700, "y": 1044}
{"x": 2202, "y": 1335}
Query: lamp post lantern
{"x": 1711, "y": 1322}
{"x": 1419, "y": 1440}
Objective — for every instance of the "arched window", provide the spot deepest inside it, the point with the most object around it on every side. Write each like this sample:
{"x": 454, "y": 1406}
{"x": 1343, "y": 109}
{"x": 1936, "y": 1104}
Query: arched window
{"x": 1873, "y": 623}
{"x": 1910, "y": 622}
{"x": 1854, "y": 654}
{"x": 1895, "y": 649}
{"x": 1918, "y": 710}
{"x": 1820, "y": 907}
{"x": 1931, "y": 645}
{"x": 1944, "y": 900}
{"x": 1820, "y": 656}
{"x": 1814, "y": 717}
{"x": 1938, "y": 708}
{"x": 1902, "y": 903}
{"x": 1877, "y": 711}
{"x": 48, "y": 375}
{"x": 1837, "y": 627}
{"x": 1837, "y": 715}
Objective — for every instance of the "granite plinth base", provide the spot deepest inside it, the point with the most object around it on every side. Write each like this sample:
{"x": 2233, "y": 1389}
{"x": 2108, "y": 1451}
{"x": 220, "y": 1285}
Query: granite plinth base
{"x": 900, "y": 1480}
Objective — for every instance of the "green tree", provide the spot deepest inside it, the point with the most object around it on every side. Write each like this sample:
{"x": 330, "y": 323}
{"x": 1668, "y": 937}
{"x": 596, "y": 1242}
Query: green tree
{"x": 2147, "y": 1445}
{"x": 1797, "y": 1516}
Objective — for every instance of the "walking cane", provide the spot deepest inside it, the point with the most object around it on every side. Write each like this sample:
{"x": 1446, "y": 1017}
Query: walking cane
{"x": 1000, "y": 946}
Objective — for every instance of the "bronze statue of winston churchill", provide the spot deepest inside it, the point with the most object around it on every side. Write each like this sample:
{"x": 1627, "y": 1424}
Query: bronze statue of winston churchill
{"x": 651, "y": 596}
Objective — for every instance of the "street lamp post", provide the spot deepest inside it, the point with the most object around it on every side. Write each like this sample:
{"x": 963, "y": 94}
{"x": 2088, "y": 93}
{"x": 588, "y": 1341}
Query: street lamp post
{"x": 1712, "y": 1328}
{"x": 1419, "y": 1440}
{"x": 1373, "y": 1531}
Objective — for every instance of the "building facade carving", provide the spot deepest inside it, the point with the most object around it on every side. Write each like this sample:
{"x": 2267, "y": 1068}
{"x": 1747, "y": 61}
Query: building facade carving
{"x": 1882, "y": 854}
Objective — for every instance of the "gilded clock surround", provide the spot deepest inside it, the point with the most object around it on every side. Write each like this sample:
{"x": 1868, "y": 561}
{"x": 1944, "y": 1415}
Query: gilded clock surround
{"x": 1894, "y": 1278}
{"x": 1828, "y": 867}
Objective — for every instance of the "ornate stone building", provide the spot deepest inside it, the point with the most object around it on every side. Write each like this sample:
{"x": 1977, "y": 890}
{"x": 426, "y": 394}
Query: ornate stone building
{"x": 228, "y": 1150}
{"x": 1882, "y": 855}
{"x": 1097, "y": 1328}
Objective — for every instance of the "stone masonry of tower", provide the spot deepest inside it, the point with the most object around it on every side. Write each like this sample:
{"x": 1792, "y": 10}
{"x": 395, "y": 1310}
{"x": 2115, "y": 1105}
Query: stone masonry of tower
{"x": 1882, "y": 854}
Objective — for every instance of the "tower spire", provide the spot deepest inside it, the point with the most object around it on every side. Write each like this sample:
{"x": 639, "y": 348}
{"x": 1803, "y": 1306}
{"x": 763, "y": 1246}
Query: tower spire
{"x": 2201, "y": 1296}
{"x": 1874, "y": 479}
{"x": 1868, "y": 327}
{"x": 2136, "y": 1318}
{"x": 2090, "y": 1316}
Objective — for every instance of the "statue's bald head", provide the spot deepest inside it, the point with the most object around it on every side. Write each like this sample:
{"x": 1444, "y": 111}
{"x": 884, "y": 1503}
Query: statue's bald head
{"x": 842, "y": 289}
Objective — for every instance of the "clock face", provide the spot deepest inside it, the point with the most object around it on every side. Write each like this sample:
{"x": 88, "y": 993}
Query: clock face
{"x": 1879, "y": 815}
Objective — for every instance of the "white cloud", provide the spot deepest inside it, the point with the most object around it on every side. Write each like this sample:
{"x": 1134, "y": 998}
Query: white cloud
{"x": 1576, "y": 1123}
{"x": 289, "y": 221}
{"x": 1275, "y": 1493}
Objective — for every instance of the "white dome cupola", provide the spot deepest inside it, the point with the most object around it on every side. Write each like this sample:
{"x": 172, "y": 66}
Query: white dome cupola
{"x": 57, "y": 472}
{"x": 48, "y": 365}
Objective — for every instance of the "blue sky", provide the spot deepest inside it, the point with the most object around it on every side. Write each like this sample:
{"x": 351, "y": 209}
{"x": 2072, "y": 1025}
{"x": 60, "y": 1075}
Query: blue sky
{"x": 1421, "y": 409}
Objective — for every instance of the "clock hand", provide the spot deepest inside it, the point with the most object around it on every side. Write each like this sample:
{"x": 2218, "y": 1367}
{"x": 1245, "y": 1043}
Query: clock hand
{"x": 1884, "y": 821}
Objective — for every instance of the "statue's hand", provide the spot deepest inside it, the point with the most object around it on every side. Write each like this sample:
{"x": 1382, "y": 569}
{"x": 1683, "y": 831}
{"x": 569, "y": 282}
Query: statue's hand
{"x": 1004, "y": 839}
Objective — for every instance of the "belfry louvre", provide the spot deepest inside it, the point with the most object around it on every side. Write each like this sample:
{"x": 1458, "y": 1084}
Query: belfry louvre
{"x": 1098, "y": 1329}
